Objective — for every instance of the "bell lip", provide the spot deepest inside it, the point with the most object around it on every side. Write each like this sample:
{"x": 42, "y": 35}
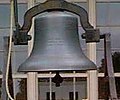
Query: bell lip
{"x": 55, "y": 70}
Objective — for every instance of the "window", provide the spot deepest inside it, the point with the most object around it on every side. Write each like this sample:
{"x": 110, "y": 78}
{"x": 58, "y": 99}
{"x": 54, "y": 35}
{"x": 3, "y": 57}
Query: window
{"x": 106, "y": 14}
{"x": 71, "y": 95}
{"x": 48, "y": 96}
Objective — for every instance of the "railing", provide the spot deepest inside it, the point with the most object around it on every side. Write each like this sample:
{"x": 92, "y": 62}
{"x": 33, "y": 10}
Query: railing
{"x": 69, "y": 75}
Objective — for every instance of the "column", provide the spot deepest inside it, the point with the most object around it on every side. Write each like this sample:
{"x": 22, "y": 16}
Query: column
{"x": 92, "y": 79}
{"x": 32, "y": 80}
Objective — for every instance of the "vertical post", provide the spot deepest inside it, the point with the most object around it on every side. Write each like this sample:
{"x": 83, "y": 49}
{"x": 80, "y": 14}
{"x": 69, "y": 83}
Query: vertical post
{"x": 32, "y": 80}
{"x": 50, "y": 86}
{"x": 92, "y": 79}
{"x": 32, "y": 86}
{"x": 74, "y": 87}
{"x": 110, "y": 70}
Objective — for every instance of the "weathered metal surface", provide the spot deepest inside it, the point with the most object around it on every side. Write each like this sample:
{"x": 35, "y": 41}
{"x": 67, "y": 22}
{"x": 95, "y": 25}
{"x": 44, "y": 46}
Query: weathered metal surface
{"x": 62, "y": 5}
{"x": 56, "y": 45}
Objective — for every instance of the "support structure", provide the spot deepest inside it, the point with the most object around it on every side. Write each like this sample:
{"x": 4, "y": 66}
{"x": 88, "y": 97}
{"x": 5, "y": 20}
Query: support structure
{"x": 21, "y": 37}
{"x": 92, "y": 79}
{"x": 32, "y": 86}
{"x": 32, "y": 80}
{"x": 109, "y": 65}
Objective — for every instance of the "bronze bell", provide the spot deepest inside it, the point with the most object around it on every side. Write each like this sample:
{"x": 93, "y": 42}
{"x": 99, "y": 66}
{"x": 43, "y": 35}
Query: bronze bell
{"x": 56, "y": 45}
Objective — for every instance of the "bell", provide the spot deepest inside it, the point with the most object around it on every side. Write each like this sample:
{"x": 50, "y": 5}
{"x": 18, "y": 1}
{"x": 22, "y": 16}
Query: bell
{"x": 56, "y": 45}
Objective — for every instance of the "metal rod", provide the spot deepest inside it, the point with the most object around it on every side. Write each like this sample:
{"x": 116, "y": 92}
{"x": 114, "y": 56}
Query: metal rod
{"x": 50, "y": 80}
{"x": 16, "y": 14}
{"x": 74, "y": 87}
{"x": 110, "y": 70}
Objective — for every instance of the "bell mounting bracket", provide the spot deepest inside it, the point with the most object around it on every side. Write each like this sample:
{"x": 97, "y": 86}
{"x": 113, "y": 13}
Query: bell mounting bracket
{"x": 21, "y": 36}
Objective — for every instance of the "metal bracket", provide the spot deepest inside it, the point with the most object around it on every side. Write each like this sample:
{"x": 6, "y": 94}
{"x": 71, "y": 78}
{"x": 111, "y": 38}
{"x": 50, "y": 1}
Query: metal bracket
{"x": 91, "y": 35}
{"x": 50, "y": 5}
{"x": 109, "y": 66}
